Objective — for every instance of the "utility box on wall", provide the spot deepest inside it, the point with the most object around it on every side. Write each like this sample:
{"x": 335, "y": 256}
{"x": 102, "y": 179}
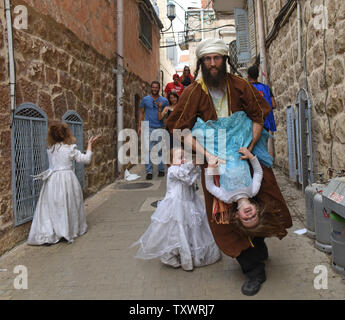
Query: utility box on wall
{"x": 333, "y": 199}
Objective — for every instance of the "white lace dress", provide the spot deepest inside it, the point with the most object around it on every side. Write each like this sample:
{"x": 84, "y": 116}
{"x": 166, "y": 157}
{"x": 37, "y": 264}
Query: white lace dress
{"x": 179, "y": 233}
{"x": 60, "y": 208}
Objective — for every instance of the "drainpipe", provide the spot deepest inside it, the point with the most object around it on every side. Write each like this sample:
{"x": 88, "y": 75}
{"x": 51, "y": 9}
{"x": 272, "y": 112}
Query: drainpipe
{"x": 10, "y": 56}
{"x": 262, "y": 42}
{"x": 119, "y": 80}
{"x": 299, "y": 24}
{"x": 202, "y": 23}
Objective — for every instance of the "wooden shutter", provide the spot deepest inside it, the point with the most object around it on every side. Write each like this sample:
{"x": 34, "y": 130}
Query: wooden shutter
{"x": 242, "y": 36}
{"x": 252, "y": 31}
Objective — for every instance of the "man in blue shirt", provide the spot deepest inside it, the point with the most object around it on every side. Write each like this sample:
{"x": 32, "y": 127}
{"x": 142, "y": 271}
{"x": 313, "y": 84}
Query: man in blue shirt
{"x": 266, "y": 92}
{"x": 149, "y": 111}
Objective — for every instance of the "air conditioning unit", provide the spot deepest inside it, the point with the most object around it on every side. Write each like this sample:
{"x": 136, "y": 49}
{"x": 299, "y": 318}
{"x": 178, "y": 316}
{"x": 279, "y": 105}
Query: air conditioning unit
{"x": 194, "y": 4}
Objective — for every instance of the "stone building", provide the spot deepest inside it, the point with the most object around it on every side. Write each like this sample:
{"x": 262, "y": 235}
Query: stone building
{"x": 65, "y": 61}
{"x": 304, "y": 46}
{"x": 312, "y": 59}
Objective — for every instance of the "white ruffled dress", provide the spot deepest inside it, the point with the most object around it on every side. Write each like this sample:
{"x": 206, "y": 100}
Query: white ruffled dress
{"x": 179, "y": 233}
{"x": 59, "y": 211}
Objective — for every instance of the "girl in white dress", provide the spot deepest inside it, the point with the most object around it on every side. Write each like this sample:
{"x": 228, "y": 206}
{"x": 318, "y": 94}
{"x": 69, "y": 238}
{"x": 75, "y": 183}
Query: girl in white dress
{"x": 60, "y": 208}
{"x": 179, "y": 233}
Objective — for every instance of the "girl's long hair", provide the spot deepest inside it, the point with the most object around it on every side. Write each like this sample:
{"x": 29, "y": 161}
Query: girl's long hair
{"x": 270, "y": 222}
{"x": 60, "y": 132}
{"x": 175, "y": 95}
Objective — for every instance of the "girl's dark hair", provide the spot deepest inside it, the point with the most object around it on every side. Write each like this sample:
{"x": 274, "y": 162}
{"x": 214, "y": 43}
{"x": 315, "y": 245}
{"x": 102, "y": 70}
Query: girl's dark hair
{"x": 60, "y": 132}
{"x": 225, "y": 58}
{"x": 172, "y": 94}
{"x": 270, "y": 222}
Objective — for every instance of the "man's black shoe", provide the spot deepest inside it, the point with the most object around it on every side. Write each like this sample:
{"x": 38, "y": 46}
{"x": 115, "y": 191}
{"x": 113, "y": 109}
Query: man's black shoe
{"x": 149, "y": 176}
{"x": 252, "y": 286}
{"x": 161, "y": 174}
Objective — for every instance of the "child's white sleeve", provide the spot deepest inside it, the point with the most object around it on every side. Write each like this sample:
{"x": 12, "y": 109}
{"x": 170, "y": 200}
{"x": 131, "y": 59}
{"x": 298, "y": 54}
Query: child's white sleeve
{"x": 257, "y": 177}
{"x": 186, "y": 173}
{"x": 79, "y": 156}
{"x": 217, "y": 192}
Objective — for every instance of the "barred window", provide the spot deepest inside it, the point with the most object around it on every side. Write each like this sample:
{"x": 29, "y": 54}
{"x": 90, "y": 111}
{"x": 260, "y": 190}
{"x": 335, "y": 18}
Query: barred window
{"x": 75, "y": 123}
{"x": 145, "y": 28}
{"x": 29, "y": 157}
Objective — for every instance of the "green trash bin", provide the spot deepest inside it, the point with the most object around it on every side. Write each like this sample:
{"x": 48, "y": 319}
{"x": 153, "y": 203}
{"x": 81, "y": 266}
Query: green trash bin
{"x": 338, "y": 243}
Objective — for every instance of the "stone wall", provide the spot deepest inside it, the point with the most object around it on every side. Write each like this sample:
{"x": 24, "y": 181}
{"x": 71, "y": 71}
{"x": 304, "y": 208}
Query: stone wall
{"x": 91, "y": 21}
{"x": 65, "y": 61}
{"x": 137, "y": 58}
{"x": 57, "y": 71}
{"x": 321, "y": 72}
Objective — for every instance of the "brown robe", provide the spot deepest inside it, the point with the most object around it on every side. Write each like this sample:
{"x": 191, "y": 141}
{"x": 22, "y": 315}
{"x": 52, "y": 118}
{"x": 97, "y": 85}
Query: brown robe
{"x": 195, "y": 101}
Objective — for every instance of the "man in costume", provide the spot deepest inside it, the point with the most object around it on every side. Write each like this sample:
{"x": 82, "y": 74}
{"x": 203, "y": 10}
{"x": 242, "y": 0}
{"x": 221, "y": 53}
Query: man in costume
{"x": 220, "y": 94}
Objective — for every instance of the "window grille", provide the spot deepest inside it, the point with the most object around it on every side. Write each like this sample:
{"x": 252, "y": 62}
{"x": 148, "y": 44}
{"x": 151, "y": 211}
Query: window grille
{"x": 241, "y": 67}
{"x": 29, "y": 157}
{"x": 75, "y": 123}
{"x": 145, "y": 28}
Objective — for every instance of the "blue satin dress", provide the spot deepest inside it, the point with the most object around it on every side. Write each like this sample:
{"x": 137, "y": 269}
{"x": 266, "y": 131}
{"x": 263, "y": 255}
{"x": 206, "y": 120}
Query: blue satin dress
{"x": 223, "y": 138}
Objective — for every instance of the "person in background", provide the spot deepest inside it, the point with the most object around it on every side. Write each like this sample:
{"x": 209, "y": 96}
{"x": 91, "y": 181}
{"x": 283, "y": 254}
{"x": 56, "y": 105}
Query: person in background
{"x": 179, "y": 233}
{"x": 149, "y": 107}
{"x": 266, "y": 92}
{"x": 186, "y": 78}
{"x": 174, "y": 86}
{"x": 59, "y": 211}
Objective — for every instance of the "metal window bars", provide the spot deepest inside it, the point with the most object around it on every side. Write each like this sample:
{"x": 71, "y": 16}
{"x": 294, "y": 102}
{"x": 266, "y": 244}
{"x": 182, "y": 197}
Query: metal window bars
{"x": 29, "y": 157}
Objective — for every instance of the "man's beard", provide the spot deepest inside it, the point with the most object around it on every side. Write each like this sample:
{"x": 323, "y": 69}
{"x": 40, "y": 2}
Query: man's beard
{"x": 217, "y": 81}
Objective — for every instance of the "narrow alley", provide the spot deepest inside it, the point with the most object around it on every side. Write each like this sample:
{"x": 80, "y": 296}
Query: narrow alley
{"x": 100, "y": 265}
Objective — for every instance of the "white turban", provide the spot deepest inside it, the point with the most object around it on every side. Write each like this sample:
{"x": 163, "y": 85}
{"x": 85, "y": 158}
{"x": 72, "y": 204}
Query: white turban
{"x": 211, "y": 46}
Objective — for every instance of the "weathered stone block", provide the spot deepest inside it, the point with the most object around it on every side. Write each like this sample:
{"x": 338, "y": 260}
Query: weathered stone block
{"x": 74, "y": 68}
{"x": 3, "y": 69}
{"x": 82, "y": 111}
{"x": 64, "y": 79}
{"x": 56, "y": 90}
{"x": 339, "y": 128}
{"x": 335, "y": 104}
{"x": 35, "y": 71}
{"x": 60, "y": 106}
{"x": 44, "y": 102}
{"x": 51, "y": 75}
{"x": 338, "y": 71}
{"x": 88, "y": 94}
{"x": 71, "y": 100}
{"x": 339, "y": 41}
{"x": 29, "y": 90}
{"x": 49, "y": 55}
{"x": 5, "y": 151}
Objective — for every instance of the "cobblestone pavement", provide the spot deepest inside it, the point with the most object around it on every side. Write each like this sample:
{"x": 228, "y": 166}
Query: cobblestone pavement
{"x": 100, "y": 264}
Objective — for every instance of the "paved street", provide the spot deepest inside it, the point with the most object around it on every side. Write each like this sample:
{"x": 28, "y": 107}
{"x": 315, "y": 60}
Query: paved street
{"x": 100, "y": 265}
